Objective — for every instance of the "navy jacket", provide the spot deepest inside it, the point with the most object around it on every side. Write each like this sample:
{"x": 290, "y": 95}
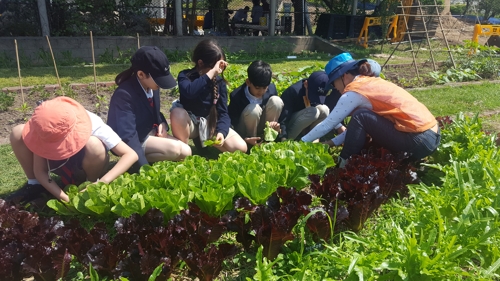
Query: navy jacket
{"x": 196, "y": 97}
{"x": 293, "y": 98}
{"x": 131, "y": 116}
{"x": 239, "y": 101}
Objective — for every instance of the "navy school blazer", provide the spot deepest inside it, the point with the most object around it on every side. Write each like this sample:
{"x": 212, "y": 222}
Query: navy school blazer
{"x": 131, "y": 116}
{"x": 293, "y": 98}
{"x": 196, "y": 96}
{"x": 239, "y": 101}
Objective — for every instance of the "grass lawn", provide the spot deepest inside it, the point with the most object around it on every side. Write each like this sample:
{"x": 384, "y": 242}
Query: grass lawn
{"x": 105, "y": 73}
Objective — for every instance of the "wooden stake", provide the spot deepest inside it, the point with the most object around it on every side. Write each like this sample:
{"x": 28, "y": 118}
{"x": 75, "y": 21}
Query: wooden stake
{"x": 138, "y": 42}
{"x": 19, "y": 71}
{"x": 55, "y": 66}
{"x": 93, "y": 61}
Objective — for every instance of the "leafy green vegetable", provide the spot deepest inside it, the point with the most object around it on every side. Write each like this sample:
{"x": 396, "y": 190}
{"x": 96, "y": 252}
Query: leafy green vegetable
{"x": 269, "y": 133}
{"x": 211, "y": 142}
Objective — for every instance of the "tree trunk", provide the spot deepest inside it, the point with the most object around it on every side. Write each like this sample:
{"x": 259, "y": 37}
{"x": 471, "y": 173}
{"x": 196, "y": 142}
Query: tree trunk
{"x": 446, "y": 7}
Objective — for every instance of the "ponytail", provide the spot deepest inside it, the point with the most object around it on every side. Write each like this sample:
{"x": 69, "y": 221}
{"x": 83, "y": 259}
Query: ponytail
{"x": 212, "y": 115}
{"x": 124, "y": 75}
{"x": 364, "y": 69}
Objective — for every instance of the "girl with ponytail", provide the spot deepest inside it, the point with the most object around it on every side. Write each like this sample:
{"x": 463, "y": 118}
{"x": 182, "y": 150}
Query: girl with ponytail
{"x": 201, "y": 111}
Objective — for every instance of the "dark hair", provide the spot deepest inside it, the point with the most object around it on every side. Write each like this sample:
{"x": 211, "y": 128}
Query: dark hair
{"x": 209, "y": 52}
{"x": 124, "y": 75}
{"x": 260, "y": 73}
{"x": 256, "y": 2}
{"x": 362, "y": 69}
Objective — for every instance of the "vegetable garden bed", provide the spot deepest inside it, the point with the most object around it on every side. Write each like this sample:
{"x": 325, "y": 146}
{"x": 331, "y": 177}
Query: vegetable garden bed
{"x": 289, "y": 225}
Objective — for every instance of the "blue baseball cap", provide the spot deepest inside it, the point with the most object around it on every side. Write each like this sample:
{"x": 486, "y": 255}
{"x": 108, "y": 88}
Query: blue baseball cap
{"x": 337, "y": 61}
{"x": 153, "y": 61}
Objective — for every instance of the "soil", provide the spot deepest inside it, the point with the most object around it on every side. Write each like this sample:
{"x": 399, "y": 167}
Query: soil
{"x": 18, "y": 114}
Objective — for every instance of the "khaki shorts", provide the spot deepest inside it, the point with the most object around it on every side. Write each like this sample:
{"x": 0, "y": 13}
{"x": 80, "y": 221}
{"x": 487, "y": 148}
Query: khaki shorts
{"x": 143, "y": 144}
{"x": 194, "y": 131}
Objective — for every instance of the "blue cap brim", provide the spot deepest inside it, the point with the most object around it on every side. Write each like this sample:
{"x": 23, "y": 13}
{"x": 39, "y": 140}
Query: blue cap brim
{"x": 342, "y": 69}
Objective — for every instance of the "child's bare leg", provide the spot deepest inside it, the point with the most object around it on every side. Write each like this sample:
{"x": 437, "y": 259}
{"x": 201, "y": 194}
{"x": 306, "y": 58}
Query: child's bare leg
{"x": 95, "y": 160}
{"x": 233, "y": 143}
{"x": 23, "y": 154}
{"x": 169, "y": 148}
{"x": 179, "y": 119}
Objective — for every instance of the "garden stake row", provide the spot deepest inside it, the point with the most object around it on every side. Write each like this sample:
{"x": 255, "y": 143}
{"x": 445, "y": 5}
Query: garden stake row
{"x": 19, "y": 71}
{"x": 93, "y": 61}
{"x": 55, "y": 66}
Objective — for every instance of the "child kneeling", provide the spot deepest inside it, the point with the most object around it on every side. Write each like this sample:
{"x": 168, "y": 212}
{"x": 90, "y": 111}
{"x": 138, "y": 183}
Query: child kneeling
{"x": 64, "y": 138}
{"x": 255, "y": 103}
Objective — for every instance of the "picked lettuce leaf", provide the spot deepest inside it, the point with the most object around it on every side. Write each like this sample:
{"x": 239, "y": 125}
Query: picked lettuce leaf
{"x": 269, "y": 133}
{"x": 211, "y": 142}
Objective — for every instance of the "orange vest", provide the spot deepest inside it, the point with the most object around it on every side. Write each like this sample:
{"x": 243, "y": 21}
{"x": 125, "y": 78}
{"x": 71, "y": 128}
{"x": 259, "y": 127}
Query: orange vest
{"x": 393, "y": 103}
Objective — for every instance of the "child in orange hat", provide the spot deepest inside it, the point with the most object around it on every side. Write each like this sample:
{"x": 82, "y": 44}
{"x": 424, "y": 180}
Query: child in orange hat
{"x": 64, "y": 138}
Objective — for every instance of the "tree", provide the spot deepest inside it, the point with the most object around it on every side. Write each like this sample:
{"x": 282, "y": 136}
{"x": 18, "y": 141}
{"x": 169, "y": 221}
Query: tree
{"x": 490, "y": 7}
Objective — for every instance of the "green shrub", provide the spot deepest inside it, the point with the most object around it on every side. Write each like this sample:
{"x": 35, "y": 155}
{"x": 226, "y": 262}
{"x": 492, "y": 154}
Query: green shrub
{"x": 6, "y": 101}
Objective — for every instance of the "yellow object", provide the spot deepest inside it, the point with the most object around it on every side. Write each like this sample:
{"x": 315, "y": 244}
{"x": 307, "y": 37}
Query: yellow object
{"x": 401, "y": 29}
{"x": 199, "y": 21}
{"x": 485, "y": 30}
{"x": 372, "y": 21}
{"x": 263, "y": 21}
{"x": 156, "y": 21}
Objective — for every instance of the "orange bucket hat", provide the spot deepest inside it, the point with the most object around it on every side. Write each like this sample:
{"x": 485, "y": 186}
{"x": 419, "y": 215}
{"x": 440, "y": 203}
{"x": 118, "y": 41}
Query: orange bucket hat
{"x": 58, "y": 129}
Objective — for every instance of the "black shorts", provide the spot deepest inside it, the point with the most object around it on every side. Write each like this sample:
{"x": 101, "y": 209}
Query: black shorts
{"x": 71, "y": 172}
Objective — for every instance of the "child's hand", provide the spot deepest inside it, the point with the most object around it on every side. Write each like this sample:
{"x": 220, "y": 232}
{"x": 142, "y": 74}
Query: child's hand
{"x": 219, "y": 139}
{"x": 162, "y": 130}
{"x": 275, "y": 126}
{"x": 220, "y": 66}
{"x": 253, "y": 140}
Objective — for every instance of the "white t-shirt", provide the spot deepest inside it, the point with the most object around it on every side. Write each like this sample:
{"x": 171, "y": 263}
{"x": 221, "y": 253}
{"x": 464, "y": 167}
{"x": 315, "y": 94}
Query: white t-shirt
{"x": 102, "y": 131}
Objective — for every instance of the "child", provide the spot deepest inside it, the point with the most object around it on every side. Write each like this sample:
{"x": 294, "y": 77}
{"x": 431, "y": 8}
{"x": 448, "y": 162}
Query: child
{"x": 134, "y": 110}
{"x": 254, "y": 103}
{"x": 62, "y": 137}
{"x": 201, "y": 111}
{"x": 306, "y": 103}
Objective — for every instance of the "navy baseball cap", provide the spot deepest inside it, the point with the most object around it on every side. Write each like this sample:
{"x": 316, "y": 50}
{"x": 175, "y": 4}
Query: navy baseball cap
{"x": 153, "y": 61}
{"x": 316, "y": 84}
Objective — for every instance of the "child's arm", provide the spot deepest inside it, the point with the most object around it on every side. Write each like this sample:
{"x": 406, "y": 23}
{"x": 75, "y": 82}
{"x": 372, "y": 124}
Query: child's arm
{"x": 127, "y": 158}
{"x": 41, "y": 171}
{"x": 223, "y": 119}
{"x": 192, "y": 88}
